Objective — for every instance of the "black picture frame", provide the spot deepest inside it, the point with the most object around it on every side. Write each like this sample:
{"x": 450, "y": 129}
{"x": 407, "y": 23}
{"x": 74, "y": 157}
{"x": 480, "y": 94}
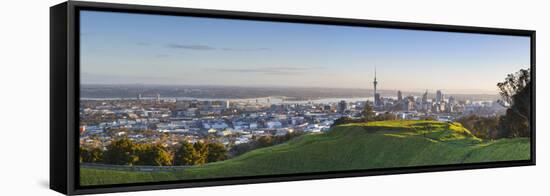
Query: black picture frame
{"x": 64, "y": 95}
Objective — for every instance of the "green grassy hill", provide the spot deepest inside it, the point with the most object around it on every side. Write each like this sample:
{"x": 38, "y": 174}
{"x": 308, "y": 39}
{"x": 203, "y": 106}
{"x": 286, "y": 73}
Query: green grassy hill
{"x": 382, "y": 144}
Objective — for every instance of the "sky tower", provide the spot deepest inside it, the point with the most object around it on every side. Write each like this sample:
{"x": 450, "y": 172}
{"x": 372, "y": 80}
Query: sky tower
{"x": 375, "y": 83}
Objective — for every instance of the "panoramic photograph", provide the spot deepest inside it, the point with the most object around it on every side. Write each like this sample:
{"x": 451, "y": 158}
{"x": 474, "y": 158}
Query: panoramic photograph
{"x": 175, "y": 98}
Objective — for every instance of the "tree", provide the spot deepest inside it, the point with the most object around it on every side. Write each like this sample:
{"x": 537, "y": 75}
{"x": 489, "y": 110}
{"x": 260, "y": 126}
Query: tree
{"x": 368, "y": 112}
{"x": 516, "y": 97}
{"x": 202, "y": 152}
{"x": 512, "y": 85}
{"x": 341, "y": 121}
{"x": 431, "y": 118}
{"x": 239, "y": 149}
{"x": 185, "y": 154}
{"x": 153, "y": 155}
{"x": 385, "y": 116}
{"x": 482, "y": 127}
{"x": 120, "y": 152}
{"x": 96, "y": 155}
{"x": 84, "y": 154}
{"x": 216, "y": 152}
{"x": 264, "y": 141}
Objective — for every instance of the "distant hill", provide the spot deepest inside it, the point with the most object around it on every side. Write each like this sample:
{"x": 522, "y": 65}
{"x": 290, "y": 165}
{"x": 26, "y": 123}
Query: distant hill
{"x": 382, "y": 144}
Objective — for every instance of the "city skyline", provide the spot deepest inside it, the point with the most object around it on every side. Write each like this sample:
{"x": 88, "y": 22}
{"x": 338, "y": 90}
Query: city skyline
{"x": 200, "y": 51}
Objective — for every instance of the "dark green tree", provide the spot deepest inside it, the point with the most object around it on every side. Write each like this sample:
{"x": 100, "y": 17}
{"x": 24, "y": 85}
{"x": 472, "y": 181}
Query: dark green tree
{"x": 216, "y": 152}
{"x": 185, "y": 154}
{"x": 385, "y": 116}
{"x": 515, "y": 92}
{"x": 120, "y": 152}
{"x": 482, "y": 127}
{"x": 513, "y": 84}
{"x": 84, "y": 154}
{"x": 155, "y": 155}
{"x": 264, "y": 141}
{"x": 96, "y": 155}
{"x": 341, "y": 121}
{"x": 368, "y": 112}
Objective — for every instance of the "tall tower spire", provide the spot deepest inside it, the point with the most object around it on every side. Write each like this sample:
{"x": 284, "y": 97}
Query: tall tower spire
{"x": 375, "y": 82}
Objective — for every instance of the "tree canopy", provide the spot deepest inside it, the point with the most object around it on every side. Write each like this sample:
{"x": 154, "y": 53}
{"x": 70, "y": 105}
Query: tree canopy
{"x": 186, "y": 154}
{"x": 515, "y": 92}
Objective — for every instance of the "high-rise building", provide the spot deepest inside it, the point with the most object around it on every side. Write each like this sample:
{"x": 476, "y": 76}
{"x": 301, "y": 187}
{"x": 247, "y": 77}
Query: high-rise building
{"x": 378, "y": 99}
{"x": 452, "y": 100}
{"x": 425, "y": 97}
{"x": 438, "y": 96}
{"x": 139, "y": 96}
{"x": 442, "y": 107}
{"x": 399, "y": 96}
{"x": 342, "y": 106}
{"x": 226, "y": 104}
{"x": 410, "y": 103}
{"x": 158, "y": 97}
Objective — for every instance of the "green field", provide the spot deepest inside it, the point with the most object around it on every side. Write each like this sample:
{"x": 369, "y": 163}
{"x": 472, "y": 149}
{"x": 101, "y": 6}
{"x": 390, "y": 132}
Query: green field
{"x": 382, "y": 144}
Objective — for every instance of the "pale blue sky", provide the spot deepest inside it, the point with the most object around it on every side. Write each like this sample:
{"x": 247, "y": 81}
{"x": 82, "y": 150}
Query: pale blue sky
{"x": 121, "y": 48}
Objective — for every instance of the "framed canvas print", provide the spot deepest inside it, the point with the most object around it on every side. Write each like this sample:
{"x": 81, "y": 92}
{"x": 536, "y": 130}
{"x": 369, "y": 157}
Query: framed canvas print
{"x": 146, "y": 97}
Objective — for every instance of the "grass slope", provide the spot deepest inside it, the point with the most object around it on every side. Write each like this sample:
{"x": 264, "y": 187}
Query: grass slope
{"x": 382, "y": 144}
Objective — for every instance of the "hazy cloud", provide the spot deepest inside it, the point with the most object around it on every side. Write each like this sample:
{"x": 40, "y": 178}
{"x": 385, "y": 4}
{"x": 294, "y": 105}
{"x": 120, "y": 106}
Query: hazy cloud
{"x": 270, "y": 70}
{"x": 190, "y": 47}
{"x": 93, "y": 78}
{"x": 245, "y": 49}
{"x": 207, "y": 47}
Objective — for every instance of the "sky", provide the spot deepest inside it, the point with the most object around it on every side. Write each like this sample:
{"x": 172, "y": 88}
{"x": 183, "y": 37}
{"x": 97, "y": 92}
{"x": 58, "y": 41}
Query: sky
{"x": 125, "y": 48}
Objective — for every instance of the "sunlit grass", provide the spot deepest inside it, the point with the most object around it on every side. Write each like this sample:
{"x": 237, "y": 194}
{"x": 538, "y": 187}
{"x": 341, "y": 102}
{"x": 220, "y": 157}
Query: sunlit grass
{"x": 382, "y": 144}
